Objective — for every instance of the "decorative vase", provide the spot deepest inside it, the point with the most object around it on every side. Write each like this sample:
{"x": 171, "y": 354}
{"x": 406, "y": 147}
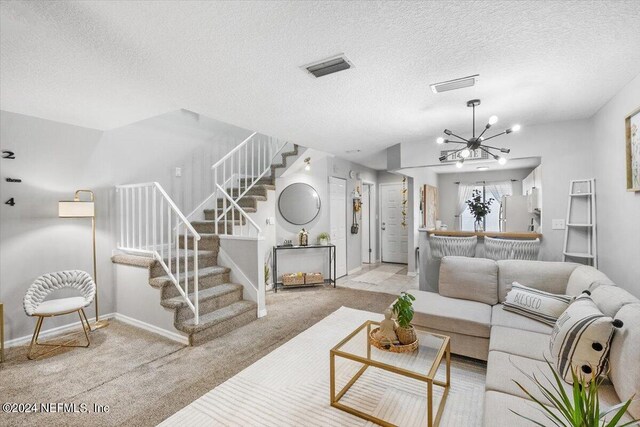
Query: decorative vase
{"x": 303, "y": 237}
{"x": 406, "y": 335}
{"x": 324, "y": 242}
{"x": 479, "y": 225}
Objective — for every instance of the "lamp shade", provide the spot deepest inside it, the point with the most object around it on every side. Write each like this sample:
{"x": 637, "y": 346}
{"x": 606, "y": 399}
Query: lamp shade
{"x": 76, "y": 209}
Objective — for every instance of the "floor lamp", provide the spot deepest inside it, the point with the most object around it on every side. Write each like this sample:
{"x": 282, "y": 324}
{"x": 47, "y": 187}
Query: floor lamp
{"x": 84, "y": 209}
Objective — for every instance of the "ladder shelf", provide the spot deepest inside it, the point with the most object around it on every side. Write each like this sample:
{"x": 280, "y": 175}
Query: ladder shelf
{"x": 581, "y": 223}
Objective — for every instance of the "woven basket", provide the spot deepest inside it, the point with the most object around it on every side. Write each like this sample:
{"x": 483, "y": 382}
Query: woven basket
{"x": 388, "y": 346}
{"x": 313, "y": 278}
{"x": 292, "y": 279}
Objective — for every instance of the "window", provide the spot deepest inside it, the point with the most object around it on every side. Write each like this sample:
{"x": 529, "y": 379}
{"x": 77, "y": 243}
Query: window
{"x": 488, "y": 190}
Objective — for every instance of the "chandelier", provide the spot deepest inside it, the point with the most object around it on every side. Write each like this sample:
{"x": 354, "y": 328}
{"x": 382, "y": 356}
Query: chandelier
{"x": 475, "y": 143}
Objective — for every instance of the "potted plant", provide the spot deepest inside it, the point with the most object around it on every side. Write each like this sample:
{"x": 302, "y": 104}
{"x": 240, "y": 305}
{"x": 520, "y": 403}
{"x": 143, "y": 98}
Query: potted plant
{"x": 479, "y": 208}
{"x": 323, "y": 238}
{"x": 581, "y": 411}
{"x": 403, "y": 310}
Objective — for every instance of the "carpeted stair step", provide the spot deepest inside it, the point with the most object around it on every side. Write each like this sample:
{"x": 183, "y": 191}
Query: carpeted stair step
{"x": 208, "y": 242}
{"x": 219, "y": 322}
{"x": 265, "y": 180}
{"x": 211, "y": 299}
{"x": 246, "y": 201}
{"x": 209, "y": 227}
{"x": 208, "y": 278}
{"x": 210, "y": 214}
{"x": 256, "y": 190}
{"x": 205, "y": 259}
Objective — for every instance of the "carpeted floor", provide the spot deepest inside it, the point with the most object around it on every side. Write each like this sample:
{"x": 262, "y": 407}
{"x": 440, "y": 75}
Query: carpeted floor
{"x": 144, "y": 378}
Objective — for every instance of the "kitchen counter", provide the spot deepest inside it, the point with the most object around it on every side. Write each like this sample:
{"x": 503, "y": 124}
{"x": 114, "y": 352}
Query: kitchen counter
{"x": 528, "y": 235}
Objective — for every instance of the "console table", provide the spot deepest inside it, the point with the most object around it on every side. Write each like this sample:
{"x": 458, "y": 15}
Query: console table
{"x": 331, "y": 252}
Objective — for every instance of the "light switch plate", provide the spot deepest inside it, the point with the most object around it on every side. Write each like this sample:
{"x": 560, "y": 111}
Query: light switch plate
{"x": 557, "y": 224}
{"x": 178, "y": 171}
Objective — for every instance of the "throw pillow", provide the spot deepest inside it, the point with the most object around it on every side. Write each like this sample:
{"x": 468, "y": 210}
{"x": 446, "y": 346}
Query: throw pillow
{"x": 536, "y": 304}
{"x": 580, "y": 339}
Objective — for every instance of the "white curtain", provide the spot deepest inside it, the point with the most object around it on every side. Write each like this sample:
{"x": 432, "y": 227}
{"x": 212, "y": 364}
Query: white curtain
{"x": 464, "y": 193}
{"x": 498, "y": 189}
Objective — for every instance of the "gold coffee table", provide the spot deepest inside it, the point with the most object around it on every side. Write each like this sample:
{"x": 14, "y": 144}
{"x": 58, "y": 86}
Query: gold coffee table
{"x": 420, "y": 365}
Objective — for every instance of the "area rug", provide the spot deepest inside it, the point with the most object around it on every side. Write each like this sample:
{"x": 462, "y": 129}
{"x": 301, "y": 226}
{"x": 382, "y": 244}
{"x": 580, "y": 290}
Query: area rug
{"x": 290, "y": 387}
{"x": 380, "y": 274}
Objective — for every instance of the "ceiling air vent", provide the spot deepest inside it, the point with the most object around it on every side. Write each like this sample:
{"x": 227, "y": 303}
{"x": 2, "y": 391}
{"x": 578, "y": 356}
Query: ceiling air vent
{"x": 328, "y": 66}
{"x": 454, "y": 84}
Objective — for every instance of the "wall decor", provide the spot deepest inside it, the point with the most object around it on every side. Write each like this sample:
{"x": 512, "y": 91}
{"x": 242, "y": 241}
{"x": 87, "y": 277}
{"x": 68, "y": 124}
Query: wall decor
{"x": 6, "y": 154}
{"x": 10, "y": 202}
{"x": 299, "y": 203}
{"x": 430, "y": 210}
{"x": 632, "y": 123}
{"x": 404, "y": 203}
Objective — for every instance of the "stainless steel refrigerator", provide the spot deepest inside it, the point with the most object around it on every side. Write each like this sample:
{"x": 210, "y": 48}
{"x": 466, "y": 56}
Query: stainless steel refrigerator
{"x": 514, "y": 215}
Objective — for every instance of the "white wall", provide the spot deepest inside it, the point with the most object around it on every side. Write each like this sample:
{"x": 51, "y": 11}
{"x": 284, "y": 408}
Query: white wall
{"x": 618, "y": 210}
{"x": 565, "y": 152}
{"x": 448, "y": 189}
{"x": 55, "y": 159}
{"x": 322, "y": 167}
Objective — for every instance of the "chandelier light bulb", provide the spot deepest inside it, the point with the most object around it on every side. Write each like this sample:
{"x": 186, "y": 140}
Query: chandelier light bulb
{"x": 493, "y": 120}
{"x": 502, "y": 160}
{"x": 465, "y": 153}
{"x": 440, "y": 140}
{"x": 515, "y": 128}
{"x": 459, "y": 163}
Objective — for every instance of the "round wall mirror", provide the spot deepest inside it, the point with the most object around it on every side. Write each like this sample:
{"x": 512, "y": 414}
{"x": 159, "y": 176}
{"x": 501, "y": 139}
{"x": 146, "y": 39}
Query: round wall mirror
{"x": 299, "y": 203}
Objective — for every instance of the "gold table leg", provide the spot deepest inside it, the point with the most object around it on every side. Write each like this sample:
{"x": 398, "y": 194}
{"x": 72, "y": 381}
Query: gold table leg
{"x": 431, "y": 420}
{"x": 1, "y": 332}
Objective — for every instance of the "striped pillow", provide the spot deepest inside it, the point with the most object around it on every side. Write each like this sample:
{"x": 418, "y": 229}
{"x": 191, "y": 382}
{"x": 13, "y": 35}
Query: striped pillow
{"x": 536, "y": 304}
{"x": 581, "y": 338}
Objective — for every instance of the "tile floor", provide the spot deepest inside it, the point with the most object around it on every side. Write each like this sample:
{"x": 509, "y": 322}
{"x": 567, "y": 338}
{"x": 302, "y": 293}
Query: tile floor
{"x": 394, "y": 285}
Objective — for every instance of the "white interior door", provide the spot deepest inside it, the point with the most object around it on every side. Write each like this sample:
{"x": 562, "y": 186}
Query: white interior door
{"x": 338, "y": 222}
{"x": 366, "y": 224}
{"x": 394, "y": 237}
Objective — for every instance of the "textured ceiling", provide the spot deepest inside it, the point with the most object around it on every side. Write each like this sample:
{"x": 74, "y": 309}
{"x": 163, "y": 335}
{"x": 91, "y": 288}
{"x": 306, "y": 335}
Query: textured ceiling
{"x": 106, "y": 64}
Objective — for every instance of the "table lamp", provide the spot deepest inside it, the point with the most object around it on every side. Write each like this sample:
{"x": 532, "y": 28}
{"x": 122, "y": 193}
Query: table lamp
{"x": 77, "y": 208}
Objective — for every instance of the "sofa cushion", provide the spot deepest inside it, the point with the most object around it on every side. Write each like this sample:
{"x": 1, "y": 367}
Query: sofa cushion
{"x": 504, "y": 368}
{"x": 624, "y": 356}
{"x": 529, "y": 344}
{"x": 436, "y": 311}
{"x": 580, "y": 340}
{"x": 498, "y": 407}
{"x": 474, "y": 279}
{"x": 536, "y": 304}
{"x": 501, "y": 317}
{"x": 464, "y": 345}
{"x": 544, "y": 275}
{"x": 610, "y": 299}
{"x": 583, "y": 277}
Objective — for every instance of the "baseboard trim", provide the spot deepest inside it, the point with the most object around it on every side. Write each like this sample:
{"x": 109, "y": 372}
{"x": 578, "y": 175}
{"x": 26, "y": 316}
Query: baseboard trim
{"x": 174, "y": 336}
{"x": 53, "y": 331}
{"x": 355, "y": 270}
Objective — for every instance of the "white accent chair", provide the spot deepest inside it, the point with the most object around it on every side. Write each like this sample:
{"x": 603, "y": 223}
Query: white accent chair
{"x": 35, "y": 304}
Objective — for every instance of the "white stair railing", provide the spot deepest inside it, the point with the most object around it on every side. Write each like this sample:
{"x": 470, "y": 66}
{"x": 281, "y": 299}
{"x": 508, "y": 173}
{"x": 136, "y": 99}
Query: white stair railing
{"x": 239, "y": 171}
{"x": 150, "y": 224}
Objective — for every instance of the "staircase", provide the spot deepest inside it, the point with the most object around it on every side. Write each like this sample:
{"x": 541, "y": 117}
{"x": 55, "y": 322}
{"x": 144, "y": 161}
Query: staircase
{"x": 185, "y": 268}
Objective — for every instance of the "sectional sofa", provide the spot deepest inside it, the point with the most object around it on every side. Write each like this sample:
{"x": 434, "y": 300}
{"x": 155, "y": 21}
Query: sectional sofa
{"x": 468, "y": 308}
